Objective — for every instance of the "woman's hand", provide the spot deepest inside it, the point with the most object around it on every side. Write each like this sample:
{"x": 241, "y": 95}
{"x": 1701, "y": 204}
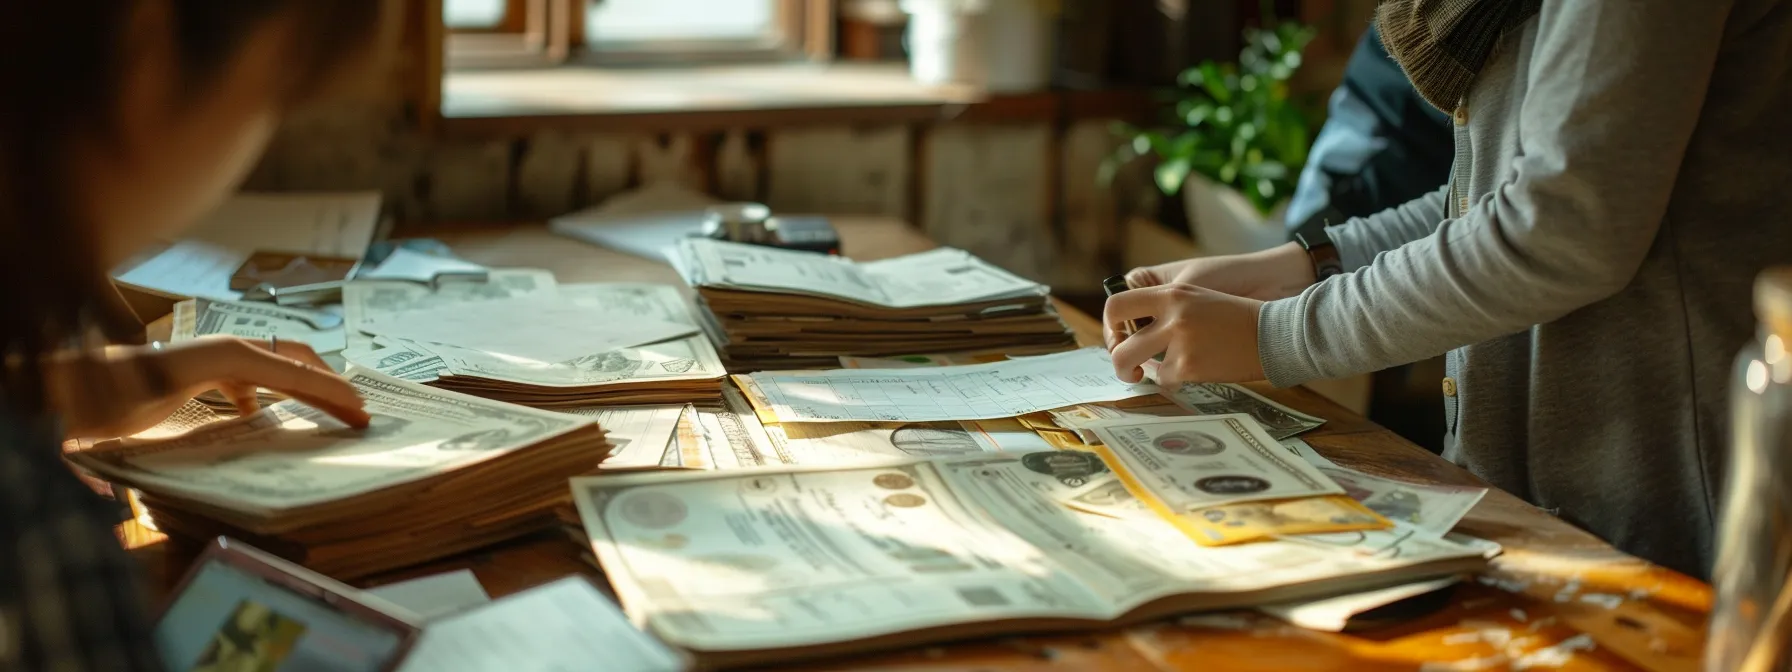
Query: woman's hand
{"x": 130, "y": 389}
{"x": 1206, "y": 336}
{"x": 1275, "y": 273}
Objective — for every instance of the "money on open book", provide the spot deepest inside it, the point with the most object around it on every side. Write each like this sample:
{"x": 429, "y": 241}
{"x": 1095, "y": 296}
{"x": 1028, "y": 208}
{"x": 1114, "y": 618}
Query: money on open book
{"x": 929, "y": 550}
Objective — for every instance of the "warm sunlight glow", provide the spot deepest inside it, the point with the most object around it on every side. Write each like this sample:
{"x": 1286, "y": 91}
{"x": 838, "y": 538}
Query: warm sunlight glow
{"x": 296, "y": 423}
{"x": 1756, "y": 378}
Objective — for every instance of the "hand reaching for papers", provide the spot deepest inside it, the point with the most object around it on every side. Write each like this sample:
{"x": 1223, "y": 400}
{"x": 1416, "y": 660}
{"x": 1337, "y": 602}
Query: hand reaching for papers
{"x": 1205, "y": 336}
{"x": 1211, "y": 304}
{"x": 130, "y": 389}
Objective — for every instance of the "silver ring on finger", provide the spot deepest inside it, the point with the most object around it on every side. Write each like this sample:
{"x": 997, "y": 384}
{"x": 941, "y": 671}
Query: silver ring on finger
{"x": 274, "y": 344}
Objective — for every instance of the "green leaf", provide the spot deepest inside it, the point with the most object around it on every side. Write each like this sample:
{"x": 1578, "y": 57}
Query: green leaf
{"x": 1213, "y": 81}
{"x": 1171, "y": 175}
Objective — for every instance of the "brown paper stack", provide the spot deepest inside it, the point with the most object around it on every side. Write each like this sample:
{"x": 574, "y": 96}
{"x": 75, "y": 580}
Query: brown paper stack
{"x": 436, "y": 474}
{"x": 876, "y": 309}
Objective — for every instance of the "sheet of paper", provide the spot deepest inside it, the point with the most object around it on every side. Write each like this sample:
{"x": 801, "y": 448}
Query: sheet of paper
{"x": 1179, "y": 466}
{"x": 435, "y": 596}
{"x": 639, "y": 433}
{"x": 915, "y": 361}
{"x": 849, "y": 443}
{"x": 734, "y": 436}
{"x": 188, "y": 269}
{"x": 253, "y": 321}
{"x": 369, "y": 303}
{"x": 1001, "y": 436}
{"x": 290, "y": 455}
{"x": 974, "y": 392}
{"x": 562, "y": 626}
{"x": 406, "y": 264}
{"x": 330, "y": 224}
{"x": 942, "y": 276}
{"x": 554, "y": 329}
{"x": 1332, "y": 614}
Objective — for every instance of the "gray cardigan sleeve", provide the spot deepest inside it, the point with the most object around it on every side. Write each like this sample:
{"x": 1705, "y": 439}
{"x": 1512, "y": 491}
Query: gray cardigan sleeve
{"x": 1615, "y": 92}
{"x": 1359, "y": 240}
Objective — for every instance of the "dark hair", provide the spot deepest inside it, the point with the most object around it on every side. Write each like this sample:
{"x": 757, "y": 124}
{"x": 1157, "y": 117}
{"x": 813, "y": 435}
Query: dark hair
{"x": 61, "y": 68}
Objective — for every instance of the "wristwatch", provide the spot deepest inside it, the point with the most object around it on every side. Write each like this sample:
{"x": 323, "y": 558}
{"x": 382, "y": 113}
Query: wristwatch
{"x": 1322, "y": 252}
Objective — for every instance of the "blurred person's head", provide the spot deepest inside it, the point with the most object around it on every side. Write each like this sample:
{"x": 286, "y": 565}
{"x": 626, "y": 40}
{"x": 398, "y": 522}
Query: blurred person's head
{"x": 126, "y": 120}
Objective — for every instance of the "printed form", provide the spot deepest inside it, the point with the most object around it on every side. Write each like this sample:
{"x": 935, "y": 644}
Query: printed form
{"x": 975, "y": 392}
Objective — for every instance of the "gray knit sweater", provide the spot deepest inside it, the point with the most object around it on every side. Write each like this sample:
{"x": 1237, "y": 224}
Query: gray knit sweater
{"x": 1622, "y": 172}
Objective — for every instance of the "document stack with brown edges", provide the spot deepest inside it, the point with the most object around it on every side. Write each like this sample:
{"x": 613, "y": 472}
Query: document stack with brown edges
{"x": 770, "y": 308}
{"x": 435, "y": 474}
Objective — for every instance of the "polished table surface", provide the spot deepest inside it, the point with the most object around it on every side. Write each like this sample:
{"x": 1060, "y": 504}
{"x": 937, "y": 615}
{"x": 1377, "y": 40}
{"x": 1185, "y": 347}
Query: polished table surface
{"x": 1558, "y": 598}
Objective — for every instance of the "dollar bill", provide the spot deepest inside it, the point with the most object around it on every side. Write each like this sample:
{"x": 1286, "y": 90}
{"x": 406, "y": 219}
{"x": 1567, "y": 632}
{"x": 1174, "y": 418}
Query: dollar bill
{"x": 289, "y": 455}
{"x": 1180, "y": 466}
{"x": 1429, "y": 509}
{"x": 1279, "y": 421}
{"x": 400, "y": 362}
{"x": 692, "y": 358}
{"x": 256, "y": 321}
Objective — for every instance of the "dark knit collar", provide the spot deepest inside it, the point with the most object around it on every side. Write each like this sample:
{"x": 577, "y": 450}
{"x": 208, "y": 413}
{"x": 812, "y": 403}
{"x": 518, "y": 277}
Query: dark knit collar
{"x": 1442, "y": 44}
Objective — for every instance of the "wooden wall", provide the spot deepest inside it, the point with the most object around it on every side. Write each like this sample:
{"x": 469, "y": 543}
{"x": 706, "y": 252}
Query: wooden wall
{"x": 1021, "y": 194}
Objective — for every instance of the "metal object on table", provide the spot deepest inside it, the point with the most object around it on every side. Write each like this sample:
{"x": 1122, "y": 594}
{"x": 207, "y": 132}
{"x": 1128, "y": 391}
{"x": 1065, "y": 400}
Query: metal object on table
{"x": 754, "y": 224}
{"x": 1751, "y": 622}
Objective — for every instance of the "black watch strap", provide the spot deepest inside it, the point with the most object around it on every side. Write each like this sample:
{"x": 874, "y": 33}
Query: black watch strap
{"x": 1322, "y": 252}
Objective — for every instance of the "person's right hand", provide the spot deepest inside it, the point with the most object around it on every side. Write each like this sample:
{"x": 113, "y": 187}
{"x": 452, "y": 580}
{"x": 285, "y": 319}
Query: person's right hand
{"x": 125, "y": 390}
{"x": 1275, "y": 273}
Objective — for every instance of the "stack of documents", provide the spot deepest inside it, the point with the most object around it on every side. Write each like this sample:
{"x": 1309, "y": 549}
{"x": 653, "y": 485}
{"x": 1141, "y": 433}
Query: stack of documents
{"x": 437, "y": 473}
{"x": 520, "y": 337}
{"x": 782, "y": 309}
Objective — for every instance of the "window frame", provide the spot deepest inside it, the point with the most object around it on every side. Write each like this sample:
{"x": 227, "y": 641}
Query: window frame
{"x": 548, "y": 33}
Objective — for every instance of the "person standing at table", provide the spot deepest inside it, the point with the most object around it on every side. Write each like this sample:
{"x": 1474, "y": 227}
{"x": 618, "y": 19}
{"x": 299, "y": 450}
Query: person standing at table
{"x": 126, "y": 120}
{"x": 1381, "y": 145}
{"x": 1617, "y": 184}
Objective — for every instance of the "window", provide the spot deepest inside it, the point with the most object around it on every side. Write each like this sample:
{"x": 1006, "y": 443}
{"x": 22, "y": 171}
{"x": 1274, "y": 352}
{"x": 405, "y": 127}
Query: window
{"x": 535, "y": 33}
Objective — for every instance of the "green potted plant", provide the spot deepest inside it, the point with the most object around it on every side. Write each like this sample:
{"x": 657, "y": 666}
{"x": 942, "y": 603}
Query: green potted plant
{"x": 1236, "y": 143}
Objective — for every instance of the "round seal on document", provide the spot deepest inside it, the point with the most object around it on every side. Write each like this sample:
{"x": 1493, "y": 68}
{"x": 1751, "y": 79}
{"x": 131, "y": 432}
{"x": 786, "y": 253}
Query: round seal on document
{"x": 1073, "y": 468}
{"x": 653, "y": 510}
{"x": 893, "y": 481}
{"x": 905, "y": 500}
{"x": 1231, "y": 485}
{"x": 1193, "y": 444}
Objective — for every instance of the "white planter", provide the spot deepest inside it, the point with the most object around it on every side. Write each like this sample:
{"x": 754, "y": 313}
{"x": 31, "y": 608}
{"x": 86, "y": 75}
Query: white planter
{"x": 1225, "y": 222}
{"x": 1002, "y": 46}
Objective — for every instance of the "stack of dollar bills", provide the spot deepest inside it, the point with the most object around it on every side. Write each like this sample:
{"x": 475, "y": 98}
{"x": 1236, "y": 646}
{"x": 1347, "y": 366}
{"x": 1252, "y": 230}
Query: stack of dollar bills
{"x": 437, "y": 473}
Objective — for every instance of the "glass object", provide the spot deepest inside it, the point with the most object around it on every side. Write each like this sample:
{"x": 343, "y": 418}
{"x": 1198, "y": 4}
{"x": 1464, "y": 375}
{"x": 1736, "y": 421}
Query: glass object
{"x": 1750, "y": 625}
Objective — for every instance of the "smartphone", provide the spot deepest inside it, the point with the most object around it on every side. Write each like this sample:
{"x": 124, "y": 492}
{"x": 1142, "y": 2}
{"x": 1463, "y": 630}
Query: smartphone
{"x": 241, "y": 608}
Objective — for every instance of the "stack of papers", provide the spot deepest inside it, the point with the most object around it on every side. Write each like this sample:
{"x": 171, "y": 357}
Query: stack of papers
{"x": 783, "y": 309}
{"x": 522, "y": 338}
{"x": 437, "y": 473}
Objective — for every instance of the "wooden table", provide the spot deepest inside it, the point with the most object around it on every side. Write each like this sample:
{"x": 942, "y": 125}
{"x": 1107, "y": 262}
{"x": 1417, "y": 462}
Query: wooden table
{"x": 1558, "y": 598}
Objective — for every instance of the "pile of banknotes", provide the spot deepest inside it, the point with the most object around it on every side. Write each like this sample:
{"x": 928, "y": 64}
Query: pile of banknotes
{"x": 436, "y": 473}
{"x": 784, "y": 309}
